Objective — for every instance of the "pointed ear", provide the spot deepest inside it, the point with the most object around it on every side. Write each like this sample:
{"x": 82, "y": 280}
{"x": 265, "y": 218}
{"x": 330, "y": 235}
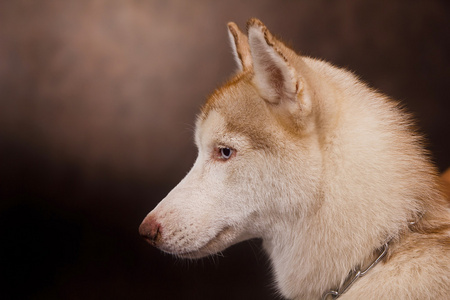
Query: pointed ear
{"x": 275, "y": 77}
{"x": 241, "y": 49}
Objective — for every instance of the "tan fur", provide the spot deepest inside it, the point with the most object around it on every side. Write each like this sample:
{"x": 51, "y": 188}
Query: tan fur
{"x": 324, "y": 169}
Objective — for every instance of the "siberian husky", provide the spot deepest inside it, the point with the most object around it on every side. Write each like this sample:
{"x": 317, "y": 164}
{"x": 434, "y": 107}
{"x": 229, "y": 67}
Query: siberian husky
{"x": 328, "y": 172}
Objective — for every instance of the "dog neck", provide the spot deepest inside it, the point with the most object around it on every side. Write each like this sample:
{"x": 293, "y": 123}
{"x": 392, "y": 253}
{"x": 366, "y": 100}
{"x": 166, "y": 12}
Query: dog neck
{"x": 354, "y": 275}
{"x": 322, "y": 263}
{"x": 327, "y": 260}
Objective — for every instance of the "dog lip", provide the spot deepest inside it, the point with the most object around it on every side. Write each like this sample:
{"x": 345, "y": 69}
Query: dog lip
{"x": 206, "y": 248}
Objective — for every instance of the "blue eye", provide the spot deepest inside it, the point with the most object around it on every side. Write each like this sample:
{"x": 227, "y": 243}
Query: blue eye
{"x": 225, "y": 153}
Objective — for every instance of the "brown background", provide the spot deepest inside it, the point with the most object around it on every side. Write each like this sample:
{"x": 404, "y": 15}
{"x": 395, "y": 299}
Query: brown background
{"x": 97, "y": 106}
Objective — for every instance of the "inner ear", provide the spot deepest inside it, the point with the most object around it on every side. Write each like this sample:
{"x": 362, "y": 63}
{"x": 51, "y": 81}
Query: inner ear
{"x": 241, "y": 49}
{"x": 275, "y": 78}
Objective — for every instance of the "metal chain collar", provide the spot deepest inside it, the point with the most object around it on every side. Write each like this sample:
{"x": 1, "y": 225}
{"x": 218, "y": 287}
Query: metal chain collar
{"x": 334, "y": 294}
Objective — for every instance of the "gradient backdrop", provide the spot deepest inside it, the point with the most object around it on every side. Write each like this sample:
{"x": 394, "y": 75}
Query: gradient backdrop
{"x": 97, "y": 104}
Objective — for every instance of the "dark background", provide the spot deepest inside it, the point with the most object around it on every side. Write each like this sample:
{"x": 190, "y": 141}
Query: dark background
{"x": 97, "y": 105}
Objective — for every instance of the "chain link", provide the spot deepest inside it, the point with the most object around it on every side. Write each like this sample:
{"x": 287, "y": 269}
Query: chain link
{"x": 357, "y": 274}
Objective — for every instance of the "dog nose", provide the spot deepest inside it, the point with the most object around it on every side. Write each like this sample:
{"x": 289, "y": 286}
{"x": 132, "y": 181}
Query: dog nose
{"x": 150, "y": 229}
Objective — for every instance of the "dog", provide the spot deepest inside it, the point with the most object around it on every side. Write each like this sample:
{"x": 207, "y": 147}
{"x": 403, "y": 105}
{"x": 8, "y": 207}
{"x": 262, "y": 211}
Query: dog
{"x": 328, "y": 172}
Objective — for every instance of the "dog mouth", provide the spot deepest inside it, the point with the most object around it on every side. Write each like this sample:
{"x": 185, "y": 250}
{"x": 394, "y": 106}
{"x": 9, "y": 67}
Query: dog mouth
{"x": 224, "y": 238}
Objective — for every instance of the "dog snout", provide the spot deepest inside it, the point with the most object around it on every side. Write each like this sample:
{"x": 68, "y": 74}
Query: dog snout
{"x": 150, "y": 229}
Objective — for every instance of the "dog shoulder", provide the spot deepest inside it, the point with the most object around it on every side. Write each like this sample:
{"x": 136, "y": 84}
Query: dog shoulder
{"x": 418, "y": 267}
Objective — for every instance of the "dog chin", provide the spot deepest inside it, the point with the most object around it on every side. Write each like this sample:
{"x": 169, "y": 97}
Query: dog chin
{"x": 222, "y": 240}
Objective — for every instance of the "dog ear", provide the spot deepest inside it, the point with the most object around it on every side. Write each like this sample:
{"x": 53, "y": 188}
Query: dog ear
{"x": 275, "y": 77}
{"x": 241, "y": 49}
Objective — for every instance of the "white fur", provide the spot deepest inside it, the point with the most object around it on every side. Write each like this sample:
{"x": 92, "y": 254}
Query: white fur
{"x": 324, "y": 170}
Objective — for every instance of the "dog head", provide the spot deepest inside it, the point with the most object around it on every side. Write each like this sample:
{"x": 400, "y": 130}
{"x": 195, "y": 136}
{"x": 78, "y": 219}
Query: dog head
{"x": 258, "y": 163}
